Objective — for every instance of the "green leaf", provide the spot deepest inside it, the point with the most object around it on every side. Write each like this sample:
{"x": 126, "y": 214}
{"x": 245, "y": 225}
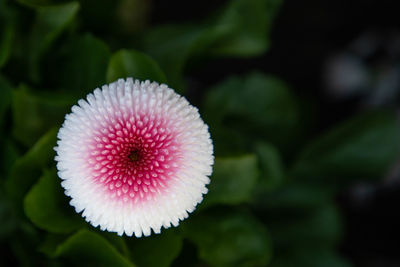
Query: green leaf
{"x": 115, "y": 240}
{"x": 50, "y": 243}
{"x": 99, "y": 18}
{"x": 85, "y": 60}
{"x": 362, "y": 148}
{"x": 272, "y": 169}
{"x": 294, "y": 196}
{"x": 7, "y": 29}
{"x": 172, "y": 45}
{"x": 5, "y": 98}
{"x": 256, "y": 107}
{"x": 312, "y": 228}
{"x": 27, "y": 169}
{"x": 47, "y": 206}
{"x": 117, "y": 19}
{"x": 232, "y": 181}
{"x": 23, "y": 244}
{"x": 245, "y": 26}
{"x": 272, "y": 176}
{"x": 36, "y": 113}
{"x": 130, "y": 63}
{"x": 36, "y": 3}
{"x": 49, "y": 24}
{"x": 264, "y": 101}
{"x": 86, "y": 248}
{"x": 229, "y": 239}
{"x": 8, "y": 219}
{"x": 310, "y": 257}
{"x": 164, "y": 248}
{"x": 8, "y": 155}
{"x": 241, "y": 29}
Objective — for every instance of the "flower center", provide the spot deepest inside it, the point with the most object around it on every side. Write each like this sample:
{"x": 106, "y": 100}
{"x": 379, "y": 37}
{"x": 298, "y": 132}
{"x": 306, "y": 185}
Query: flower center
{"x": 134, "y": 159}
{"x": 134, "y": 155}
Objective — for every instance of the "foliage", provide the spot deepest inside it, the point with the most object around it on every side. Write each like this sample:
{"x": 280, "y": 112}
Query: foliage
{"x": 271, "y": 197}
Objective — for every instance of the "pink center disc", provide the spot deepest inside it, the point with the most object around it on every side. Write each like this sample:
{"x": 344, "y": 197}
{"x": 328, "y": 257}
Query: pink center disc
{"x": 136, "y": 158}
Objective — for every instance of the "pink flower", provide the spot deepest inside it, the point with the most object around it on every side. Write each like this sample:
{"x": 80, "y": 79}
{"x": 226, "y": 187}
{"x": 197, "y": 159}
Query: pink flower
{"x": 134, "y": 156}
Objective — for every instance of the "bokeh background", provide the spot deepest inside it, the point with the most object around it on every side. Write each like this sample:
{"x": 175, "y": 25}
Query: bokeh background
{"x": 301, "y": 98}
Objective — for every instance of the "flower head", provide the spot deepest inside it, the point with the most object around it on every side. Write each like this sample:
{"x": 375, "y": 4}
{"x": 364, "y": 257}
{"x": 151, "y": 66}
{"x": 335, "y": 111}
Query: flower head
{"x": 134, "y": 156}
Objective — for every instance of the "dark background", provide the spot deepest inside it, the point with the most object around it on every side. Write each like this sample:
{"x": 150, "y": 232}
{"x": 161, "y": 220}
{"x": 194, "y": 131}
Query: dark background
{"x": 305, "y": 35}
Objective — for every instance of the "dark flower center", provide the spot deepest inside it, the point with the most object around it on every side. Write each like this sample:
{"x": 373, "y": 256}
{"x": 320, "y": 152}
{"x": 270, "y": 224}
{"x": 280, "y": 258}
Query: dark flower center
{"x": 134, "y": 156}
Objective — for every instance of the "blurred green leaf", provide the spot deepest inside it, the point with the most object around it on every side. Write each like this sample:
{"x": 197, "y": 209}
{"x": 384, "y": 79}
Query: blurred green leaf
{"x": 245, "y": 26}
{"x": 362, "y": 148}
{"x": 7, "y": 217}
{"x": 164, "y": 248}
{"x": 86, "y": 248}
{"x": 229, "y": 239}
{"x": 51, "y": 242}
{"x": 47, "y": 206}
{"x": 27, "y": 169}
{"x": 7, "y": 29}
{"x": 85, "y": 60}
{"x": 36, "y": 113}
{"x": 263, "y": 101}
{"x": 115, "y": 240}
{"x": 295, "y": 196}
{"x": 49, "y": 24}
{"x": 310, "y": 257}
{"x": 241, "y": 29}
{"x": 99, "y": 18}
{"x": 259, "y": 107}
{"x": 313, "y": 228}
{"x": 232, "y": 181}
{"x": 272, "y": 169}
{"x": 23, "y": 244}
{"x": 8, "y": 155}
{"x": 130, "y": 63}
{"x": 37, "y": 3}
{"x": 5, "y": 98}
{"x": 172, "y": 45}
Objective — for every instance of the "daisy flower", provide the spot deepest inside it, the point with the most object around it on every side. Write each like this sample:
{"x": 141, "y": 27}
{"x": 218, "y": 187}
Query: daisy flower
{"x": 134, "y": 157}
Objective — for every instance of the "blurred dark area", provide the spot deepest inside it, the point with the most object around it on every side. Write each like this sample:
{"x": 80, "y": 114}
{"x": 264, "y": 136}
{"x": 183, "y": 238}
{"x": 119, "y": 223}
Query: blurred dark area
{"x": 345, "y": 53}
